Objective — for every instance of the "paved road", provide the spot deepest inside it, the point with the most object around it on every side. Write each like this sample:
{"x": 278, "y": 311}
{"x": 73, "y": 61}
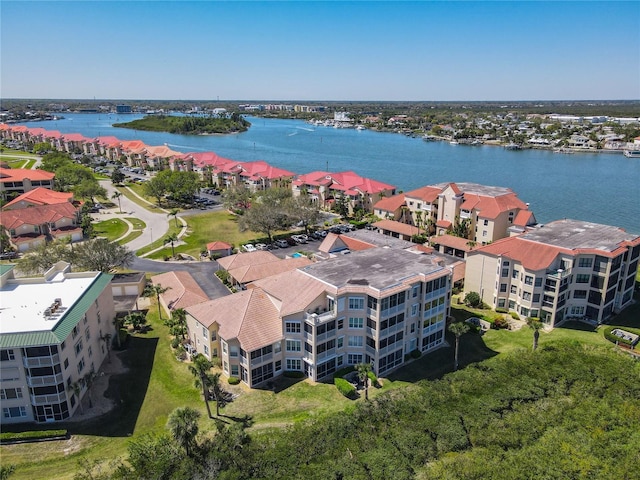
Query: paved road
{"x": 202, "y": 272}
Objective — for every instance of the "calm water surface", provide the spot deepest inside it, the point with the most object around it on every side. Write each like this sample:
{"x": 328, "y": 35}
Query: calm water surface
{"x": 600, "y": 188}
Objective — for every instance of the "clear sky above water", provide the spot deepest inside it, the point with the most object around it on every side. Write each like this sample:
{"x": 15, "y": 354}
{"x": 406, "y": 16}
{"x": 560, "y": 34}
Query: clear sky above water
{"x": 331, "y": 50}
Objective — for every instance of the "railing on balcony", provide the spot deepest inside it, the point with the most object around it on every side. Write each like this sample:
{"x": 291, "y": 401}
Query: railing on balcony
{"x": 558, "y": 274}
{"x": 321, "y": 317}
{"x": 392, "y": 311}
{"x": 45, "y": 380}
{"x": 370, "y": 350}
{"x": 388, "y": 331}
{"x": 47, "y": 361}
{"x": 47, "y": 399}
{"x": 465, "y": 214}
{"x": 435, "y": 293}
{"x": 426, "y": 207}
{"x": 326, "y": 353}
{"x": 434, "y": 327}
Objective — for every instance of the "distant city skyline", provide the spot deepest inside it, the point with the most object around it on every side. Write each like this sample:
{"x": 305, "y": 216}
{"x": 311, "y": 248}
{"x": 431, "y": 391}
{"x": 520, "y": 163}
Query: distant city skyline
{"x": 314, "y": 51}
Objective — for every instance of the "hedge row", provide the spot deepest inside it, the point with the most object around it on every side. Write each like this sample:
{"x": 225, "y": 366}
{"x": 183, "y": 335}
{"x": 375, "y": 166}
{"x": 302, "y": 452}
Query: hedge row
{"x": 614, "y": 339}
{"x": 8, "y": 437}
{"x": 344, "y": 387}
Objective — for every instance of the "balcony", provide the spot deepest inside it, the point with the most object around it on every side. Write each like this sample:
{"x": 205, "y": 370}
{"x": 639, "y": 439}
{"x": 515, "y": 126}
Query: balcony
{"x": 48, "y": 361}
{"x": 558, "y": 274}
{"x": 327, "y": 353}
{"x": 426, "y": 207}
{"x": 48, "y": 399}
{"x": 318, "y": 318}
{"x": 464, "y": 214}
{"x": 44, "y": 381}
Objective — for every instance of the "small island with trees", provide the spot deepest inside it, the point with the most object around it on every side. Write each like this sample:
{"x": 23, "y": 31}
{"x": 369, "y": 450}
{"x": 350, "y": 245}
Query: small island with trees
{"x": 190, "y": 125}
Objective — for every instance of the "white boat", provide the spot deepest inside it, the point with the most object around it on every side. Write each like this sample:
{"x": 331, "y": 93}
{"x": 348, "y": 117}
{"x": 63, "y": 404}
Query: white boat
{"x": 563, "y": 150}
{"x": 453, "y": 142}
{"x": 360, "y": 127}
{"x": 632, "y": 153}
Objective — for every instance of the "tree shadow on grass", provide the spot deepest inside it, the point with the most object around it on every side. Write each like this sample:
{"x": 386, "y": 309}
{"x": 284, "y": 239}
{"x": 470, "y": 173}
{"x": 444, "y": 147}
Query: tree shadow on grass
{"x": 127, "y": 390}
{"x": 435, "y": 365}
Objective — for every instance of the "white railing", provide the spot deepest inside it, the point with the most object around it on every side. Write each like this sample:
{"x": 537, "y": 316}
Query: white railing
{"x": 47, "y": 399}
{"x": 320, "y": 317}
{"x": 47, "y": 361}
{"x": 45, "y": 380}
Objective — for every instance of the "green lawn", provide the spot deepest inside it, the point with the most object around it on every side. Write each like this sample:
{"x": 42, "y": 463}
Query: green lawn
{"x": 111, "y": 229}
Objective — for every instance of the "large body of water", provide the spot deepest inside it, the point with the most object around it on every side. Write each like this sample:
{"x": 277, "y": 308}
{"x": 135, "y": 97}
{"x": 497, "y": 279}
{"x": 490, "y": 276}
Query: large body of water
{"x": 601, "y": 188}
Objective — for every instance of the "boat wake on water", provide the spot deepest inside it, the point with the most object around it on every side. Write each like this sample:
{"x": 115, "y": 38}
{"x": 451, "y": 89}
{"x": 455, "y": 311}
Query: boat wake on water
{"x": 187, "y": 147}
{"x": 292, "y": 134}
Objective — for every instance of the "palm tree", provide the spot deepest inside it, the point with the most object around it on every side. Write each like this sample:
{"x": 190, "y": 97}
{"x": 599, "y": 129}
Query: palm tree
{"x": 135, "y": 319}
{"x": 179, "y": 320}
{"x": 88, "y": 381}
{"x": 363, "y": 370}
{"x": 106, "y": 338}
{"x": 536, "y": 325}
{"x": 458, "y": 329}
{"x": 116, "y": 195}
{"x": 174, "y": 213}
{"x": 215, "y": 387}
{"x": 200, "y": 370}
{"x": 173, "y": 238}
{"x": 155, "y": 290}
{"x": 76, "y": 389}
{"x": 183, "y": 424}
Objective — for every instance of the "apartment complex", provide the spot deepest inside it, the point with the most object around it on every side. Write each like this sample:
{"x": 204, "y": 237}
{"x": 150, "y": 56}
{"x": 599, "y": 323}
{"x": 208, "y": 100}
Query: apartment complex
{"x": 53, "y": 331}
{"x": 15, "y": 181}
{"x": 372, "y": 306}
{"x": 489, "y": 212}
{"x": 561, "y": 270}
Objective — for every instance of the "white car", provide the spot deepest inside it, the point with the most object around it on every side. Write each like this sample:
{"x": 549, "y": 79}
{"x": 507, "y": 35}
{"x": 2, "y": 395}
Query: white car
{"x": 260, "y": 246}
{"x": 300, "y": 238}
{"x": 281, "y": 243}
{"x": 249, "y": 247}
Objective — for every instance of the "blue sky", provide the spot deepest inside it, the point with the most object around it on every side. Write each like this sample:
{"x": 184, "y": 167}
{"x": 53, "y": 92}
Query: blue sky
{"x": 320, "y": 50}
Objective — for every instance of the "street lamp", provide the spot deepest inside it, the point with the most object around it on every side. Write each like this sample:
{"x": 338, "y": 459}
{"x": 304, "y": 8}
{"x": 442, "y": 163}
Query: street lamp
{"x": 151, "y": 232}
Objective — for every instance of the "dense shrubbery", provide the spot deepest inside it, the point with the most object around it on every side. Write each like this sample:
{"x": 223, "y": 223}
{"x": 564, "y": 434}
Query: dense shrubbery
{"x": 563, "y": 411}
{"x": 615, "y": 339}
{"x": 499, "y": 322}
{"x": 502, "y": 310}
{"x": 473, "y": 300}
{"x": 7, "y": 437}
{"x": 345, "y": 388}
{"x": 233, "y": 380}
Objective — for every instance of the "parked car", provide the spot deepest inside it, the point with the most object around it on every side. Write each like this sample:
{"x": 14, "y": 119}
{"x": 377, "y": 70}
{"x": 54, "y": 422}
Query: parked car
{"x": 281, "y": 243}
{"x": 249, "y": 247}
{"x": 291, "y": 242}
{"x": 300, "y": 238}
{"x": 260, "y": 246}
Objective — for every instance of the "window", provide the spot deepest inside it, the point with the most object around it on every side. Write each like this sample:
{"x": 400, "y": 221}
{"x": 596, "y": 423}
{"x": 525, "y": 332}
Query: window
{"x": 505, "y": 272}
{"x": 224, "y": 347}
{"x": 503, "y": 287}
{"x": 90, "y": 351}
{"x": 293, "y": 345}
{"x": 415, "y": 309}
{"x": 484, "y": 233}
{"x": 536, "y": 297}
{"x": 225, "y": 367}
{"x": 13, "y": 412}
{"x": 514, "y": 274}
{"x": 486, "y": 222}
{"x": 235, "y": 370}
{"x": 64, "y": 344}
{"x": 7, "y": 355}
{"x": 87, "y": 334}
{"x": 526, "y": 296}
{"x": 585, "y": 262}
{"x": 356, "y": 341}
{"x": 583, "y": 278}
{"x": 292, "y": 327}
{"x": 356, "y": 303}
{"x": 340, "y": 323}
{"x": 277, "y": 347}
{"x": 78, "y": 347}
{"x": 415, "y": 290}
{"x": 577, "y": 311}
{"x": 10, "y": 393}
{"x": 514, "y": 289}
{"x": 356, "y": 322}
{"x": 81, "y": 365}
{"x": 528, "y": 280}
{"x": 205, "y": 333}
{"x": 501, "y": 302}
{"x": 580, "y": 294}
{"x": 354, "y": 358}
{"x": 206, "y": 350}
{"x": 340, "y": 342}
{"x": 66, "y": 363}
{"x": 74, "y": 332}
{"x": 294, "y": 364}
{"x": 538, "y": 282}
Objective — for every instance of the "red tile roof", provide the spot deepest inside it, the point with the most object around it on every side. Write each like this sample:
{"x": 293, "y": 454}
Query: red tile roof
{"x": 20, "y": 174}
{"x": 427, "y": 194}
{"x": 218, "y": 246}
{"x": 533, "y": 256}
{"x": 453, "y": 242}
{"x": 398, "y": 227}
{"x": 40, "y": 196}
{"x": 183, "y": 291}
{"x": 38, "y": 215}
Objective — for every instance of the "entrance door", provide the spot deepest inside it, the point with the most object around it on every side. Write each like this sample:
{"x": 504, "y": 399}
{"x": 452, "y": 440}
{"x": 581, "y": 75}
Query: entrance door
{"x": 48, "y": 414}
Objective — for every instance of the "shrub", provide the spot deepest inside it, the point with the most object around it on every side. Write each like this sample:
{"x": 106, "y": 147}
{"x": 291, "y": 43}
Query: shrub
{"x": 415, "y": 353}
{"x": 514, "y": 315}
{"x": 499, "y": 323}
{"x": 175, "y": 342}
{"x": 6, "y": 437}
{"x": 345, "y": 388}
{"x": 502, "y": 310}
{"x": 181, "y": 353}
{"x": 419, "y": 238}
{"x": 293, "y": 374}
{"x": 373, "y": 380}
{"x": 233, "y": 380}
{"x": 612, "y": 338}
{"x": 472, "y": 299}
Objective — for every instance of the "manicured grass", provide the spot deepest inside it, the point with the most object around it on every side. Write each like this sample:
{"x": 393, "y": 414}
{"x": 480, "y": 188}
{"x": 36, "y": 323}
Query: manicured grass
{"x": 132, "y": 236}
{"x": 111, "y": 229}
{"x": 160, "y": 243}
{"x": 127, "y": 193}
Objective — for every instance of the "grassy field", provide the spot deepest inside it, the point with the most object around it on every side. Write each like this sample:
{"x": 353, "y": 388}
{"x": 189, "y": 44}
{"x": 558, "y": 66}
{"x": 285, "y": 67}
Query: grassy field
{"x": 18, "y": 159}
{"x": 156, "y": 383}
{"x": 110, "y": 229}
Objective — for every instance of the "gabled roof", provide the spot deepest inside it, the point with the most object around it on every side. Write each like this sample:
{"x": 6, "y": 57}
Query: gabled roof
{"x": 20, "y": 174}
{"x": 246, "y": 259}
{"x": 183, "y": 291}
{"x": 533, "y": 256}
{"x": 108, "y": 141}
{"x": 39, "y": 196}
{"x": 261, "y": 169}
{"x": 250, "y": 316}
{"x": 397, "y": 227}
{"x": 75, "y": 137}
{"x": 390, "y": 204}
{"x": 458, "y": 243}
{"x": 218, "y": 246}
{"x": 348, "y": 182}
{"x": 133, "y": 146}
{"x": 524, "y": 218}
{"x": 251, "y": 273}
{"x": 294, "y": 290}
{"x": 335, "y": 243}
{"x": 161, "y": 151}
{"x": 38, "y": 215}
{"x": 427, "y": 194}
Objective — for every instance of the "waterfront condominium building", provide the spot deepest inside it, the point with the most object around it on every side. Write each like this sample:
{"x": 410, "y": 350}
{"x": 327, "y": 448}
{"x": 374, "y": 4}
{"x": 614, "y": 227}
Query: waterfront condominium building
{"x": 373, "y": 306}
{"x": 53, "y": 331}
{"x": 561, "y": 270}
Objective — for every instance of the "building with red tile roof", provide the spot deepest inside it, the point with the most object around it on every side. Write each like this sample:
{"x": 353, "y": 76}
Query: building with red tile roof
{"x": 371, "y": 306}
{"x": 490, "y": 212}
{"x": 326, "y": 188}
{"x": 20, "y": 180}
{"x": 39, "y": 196}
{"x": 562, "y": 270}
{"x": 219, "y": 249}
{"x": 31, "y": 226}
{"x": 183, "y": 291}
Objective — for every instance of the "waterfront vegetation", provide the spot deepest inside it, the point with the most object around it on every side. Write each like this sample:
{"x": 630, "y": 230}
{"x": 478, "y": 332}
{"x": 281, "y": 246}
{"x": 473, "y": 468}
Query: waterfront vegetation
{"x": 505, "y": 407}
{"x": 189, "y": 125}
